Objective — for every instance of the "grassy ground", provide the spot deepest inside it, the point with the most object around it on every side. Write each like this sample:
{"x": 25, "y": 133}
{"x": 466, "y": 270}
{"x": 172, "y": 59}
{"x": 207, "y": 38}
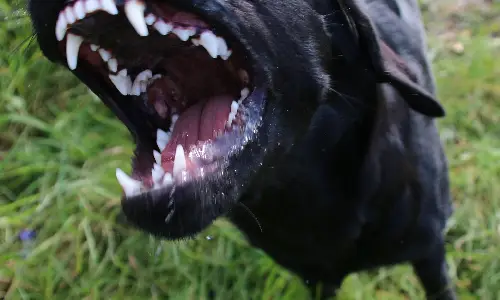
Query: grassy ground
{"x": 59, "y": 148}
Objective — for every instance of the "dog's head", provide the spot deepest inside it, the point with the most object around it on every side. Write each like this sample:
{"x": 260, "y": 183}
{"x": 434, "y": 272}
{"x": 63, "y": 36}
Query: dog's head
{"x": 209, "y": 88}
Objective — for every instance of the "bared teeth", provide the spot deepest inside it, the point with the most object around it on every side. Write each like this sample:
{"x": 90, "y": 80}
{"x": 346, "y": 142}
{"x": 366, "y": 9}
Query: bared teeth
{"x": 226, "y": 55}
{"x": 232, "y": 114}
{"x": 79, "y": 10}
{"x": 130, "y": 186}
{"x": 157, "y": 174}
{"x": 105, "y": 54}
{"x": 223, "y": 51}
{"x": 61, "y": 27}
{"x": 113, "y": 64}
{"x": 167, "y": 179}
{"x": 157, "y": 76}
{"x": 162, "y": 139}
{"x": 162, "y": 27}
{"x": 209, "y": 41}
{"x": 150, "y": 19}
{"x": 134, "y": 10}
{"x": 73, "y": 43}
{"x": 122, "y": 83}
{"x": 157, "y": 156}
{"x": 184, "y": 33}
{"x": 140, "y": 82}
{"x": 92, "y": 6}
{"x": 175, "y": 117}
{"x": 70, "y": 16}
{"x": 215, "y": 46}
{"x": 179, "y": 161}
{"x": 109, "y": 6}
{"x": 195, "y": 42}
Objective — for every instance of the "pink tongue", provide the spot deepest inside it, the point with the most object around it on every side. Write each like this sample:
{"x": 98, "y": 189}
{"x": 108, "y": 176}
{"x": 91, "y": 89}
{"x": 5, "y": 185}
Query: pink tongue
{"x": 200, "y": 122}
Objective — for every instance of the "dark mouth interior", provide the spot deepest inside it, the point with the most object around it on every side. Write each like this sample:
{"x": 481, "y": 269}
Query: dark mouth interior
{"x": 194, "y": 85}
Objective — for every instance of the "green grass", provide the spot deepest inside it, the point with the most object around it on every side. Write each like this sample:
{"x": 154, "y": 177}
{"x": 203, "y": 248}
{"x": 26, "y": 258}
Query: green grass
{"x": 59, "y": 148}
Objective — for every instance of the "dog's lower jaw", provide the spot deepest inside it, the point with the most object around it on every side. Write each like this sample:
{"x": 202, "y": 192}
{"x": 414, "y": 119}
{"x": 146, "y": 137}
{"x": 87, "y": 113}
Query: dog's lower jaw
{"x": 183, "y": 213}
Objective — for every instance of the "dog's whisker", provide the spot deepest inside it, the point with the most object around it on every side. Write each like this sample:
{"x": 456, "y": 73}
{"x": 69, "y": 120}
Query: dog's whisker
{"x": 247, "y": 209}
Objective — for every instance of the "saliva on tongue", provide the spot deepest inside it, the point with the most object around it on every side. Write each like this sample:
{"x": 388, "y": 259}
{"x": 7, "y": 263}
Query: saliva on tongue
{"x": 202, "y": 120}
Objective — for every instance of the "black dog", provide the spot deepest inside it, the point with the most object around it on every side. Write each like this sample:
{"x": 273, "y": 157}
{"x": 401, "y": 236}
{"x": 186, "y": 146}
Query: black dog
{"x": 314, "y": 115}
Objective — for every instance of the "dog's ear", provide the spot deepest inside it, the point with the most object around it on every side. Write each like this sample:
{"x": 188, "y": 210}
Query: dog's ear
{"x": 387, "y": 65}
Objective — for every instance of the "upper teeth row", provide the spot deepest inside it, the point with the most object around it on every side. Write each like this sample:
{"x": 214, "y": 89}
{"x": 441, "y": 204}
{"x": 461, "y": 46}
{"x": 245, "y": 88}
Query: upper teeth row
{"x": 134, "y": 10}
{"x": 79, "y": 10}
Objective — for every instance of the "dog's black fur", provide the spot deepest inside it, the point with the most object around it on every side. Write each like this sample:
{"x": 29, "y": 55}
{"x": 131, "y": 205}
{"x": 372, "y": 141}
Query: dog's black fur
{"x": 348, "y": 172}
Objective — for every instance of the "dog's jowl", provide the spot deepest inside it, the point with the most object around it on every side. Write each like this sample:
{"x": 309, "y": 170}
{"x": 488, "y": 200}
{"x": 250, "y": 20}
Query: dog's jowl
{"x": 316, "y": 115}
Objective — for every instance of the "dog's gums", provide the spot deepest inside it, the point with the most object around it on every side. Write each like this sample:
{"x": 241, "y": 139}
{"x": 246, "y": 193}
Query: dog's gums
{"x": 200, "y": 97}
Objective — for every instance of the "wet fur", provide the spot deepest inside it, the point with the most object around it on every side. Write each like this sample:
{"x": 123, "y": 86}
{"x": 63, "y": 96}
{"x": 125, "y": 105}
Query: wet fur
{"x": 347, "y": 172}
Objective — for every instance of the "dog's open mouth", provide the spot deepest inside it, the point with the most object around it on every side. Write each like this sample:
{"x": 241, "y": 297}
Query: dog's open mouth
{"x": 194, "y": 85}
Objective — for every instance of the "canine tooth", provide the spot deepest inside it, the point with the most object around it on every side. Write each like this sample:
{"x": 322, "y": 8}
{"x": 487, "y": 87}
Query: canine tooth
{"x": 92, "y": 5}
{"x": 79, "y": 10}
{"x": 157, "y": 173}
{"x": 106, "y": 55}
{"x": 122, "y": 83}
{"x": 123, "y": 73}
{"x": 113, "y": 65}
{"x": 209, "y": 41}
{"x": 94, "y": 47}
{"x": 167, "y": 179}
{"x": 150, "y": 19}
{"x": 157, "y": 156}
{"x": 134, "y": 10}
{"x": 73, "y": 43}
{"x": 109, "y": 6}
{"x": 130, "y": 186}
{"x": 162, "y": 27}
{"x": 162, "y": 139}
{"x": 70, "y": 16}
{"x": 61, "y": 27}
{"x": 223, "y": 51}
{"x": 184, "y": 33}
{"x": 179, "y": 161}
{"x": 222, "y": 45}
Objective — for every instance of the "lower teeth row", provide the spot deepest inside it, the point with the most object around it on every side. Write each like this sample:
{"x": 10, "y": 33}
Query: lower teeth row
{"x": 160, "y": 177}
